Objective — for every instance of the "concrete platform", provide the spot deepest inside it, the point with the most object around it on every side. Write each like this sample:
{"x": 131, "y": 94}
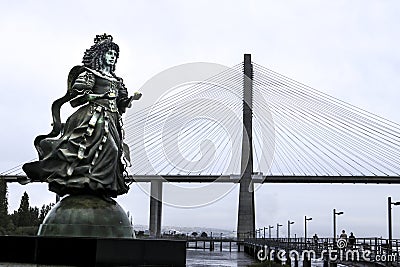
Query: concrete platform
{"x": 87, "y": 251}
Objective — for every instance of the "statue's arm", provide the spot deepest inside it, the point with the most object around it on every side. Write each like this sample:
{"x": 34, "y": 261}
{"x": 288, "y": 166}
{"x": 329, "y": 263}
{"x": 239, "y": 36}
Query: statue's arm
{"x": 84, "y": 82}
{"x": 123, "y": 100}
{"x": 82, "y": 86}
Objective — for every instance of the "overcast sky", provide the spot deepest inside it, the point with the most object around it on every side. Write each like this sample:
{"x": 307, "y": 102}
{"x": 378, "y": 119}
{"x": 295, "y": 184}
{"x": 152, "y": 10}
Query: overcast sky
{"x": 348, "y": 49}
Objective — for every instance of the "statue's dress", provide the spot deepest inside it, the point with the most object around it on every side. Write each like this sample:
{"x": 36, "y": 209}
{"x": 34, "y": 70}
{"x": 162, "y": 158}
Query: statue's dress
{"x": 89, "y": 155}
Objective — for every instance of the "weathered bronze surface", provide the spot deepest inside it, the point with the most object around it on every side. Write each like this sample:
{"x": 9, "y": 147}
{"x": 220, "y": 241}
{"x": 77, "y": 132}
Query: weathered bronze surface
{"x": 86, "y": 155}
{"x": 87, "y": 216}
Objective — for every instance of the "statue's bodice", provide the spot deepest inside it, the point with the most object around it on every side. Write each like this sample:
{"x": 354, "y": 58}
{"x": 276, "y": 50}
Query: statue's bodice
{"x": 108, "y": 87}
{"x": 97, "y": 88}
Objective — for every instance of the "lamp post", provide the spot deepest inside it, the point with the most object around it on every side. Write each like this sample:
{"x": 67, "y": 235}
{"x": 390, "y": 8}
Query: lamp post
{"x": 277, "y": 230}
{"x": 305, "y": 227}
{"x": 334, "y": 223}
{"x": 390, "y": 203}
{"x": 269, "y": 230}
{"x": 288, "y": 228}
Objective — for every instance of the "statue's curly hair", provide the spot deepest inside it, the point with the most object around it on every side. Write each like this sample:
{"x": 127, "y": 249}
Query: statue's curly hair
{"x": 93, "y": 57}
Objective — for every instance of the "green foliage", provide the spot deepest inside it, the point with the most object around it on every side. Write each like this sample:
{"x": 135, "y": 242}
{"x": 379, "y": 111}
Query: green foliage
{"x": 24, "y": 212}
{"x": 5, "y": 221}
{"x": 139, "y": 233}
{"x": 43, "y": 212}
{"x": 33, "y": 216}
{"x": 26, "y": 230}
{"x": 204, "y": 234}
{"x": 3, "y": 200}
{"x": 25, "y": 220}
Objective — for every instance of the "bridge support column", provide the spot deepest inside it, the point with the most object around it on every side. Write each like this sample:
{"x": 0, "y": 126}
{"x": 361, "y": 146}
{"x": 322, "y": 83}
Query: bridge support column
{"x": 155, "y": 208}
{"x": 246, "y": 214}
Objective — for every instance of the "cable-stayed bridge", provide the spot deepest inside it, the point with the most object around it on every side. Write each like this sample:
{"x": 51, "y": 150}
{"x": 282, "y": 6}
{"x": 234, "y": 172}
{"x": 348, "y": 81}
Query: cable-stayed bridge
{"x": 248, "y": 124}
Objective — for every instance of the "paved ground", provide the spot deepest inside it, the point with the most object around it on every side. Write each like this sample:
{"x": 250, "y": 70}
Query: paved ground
{"x": 197, "y": 258}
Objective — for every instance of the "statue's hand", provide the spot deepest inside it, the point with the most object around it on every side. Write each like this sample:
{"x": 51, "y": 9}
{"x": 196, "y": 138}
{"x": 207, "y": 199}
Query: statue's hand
{"x": 129, "y": 103}
{"x": 126, "y": 102}
{"x": 137, "y": 95}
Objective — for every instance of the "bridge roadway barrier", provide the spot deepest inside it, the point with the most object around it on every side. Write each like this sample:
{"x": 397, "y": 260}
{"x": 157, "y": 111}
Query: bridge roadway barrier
{"x": 364, "y": 252}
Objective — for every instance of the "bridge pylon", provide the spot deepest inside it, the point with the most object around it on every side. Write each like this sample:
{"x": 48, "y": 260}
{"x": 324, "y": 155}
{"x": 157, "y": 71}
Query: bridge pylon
{"x": 246, "y": 213}
{"x": 155, "y": 208}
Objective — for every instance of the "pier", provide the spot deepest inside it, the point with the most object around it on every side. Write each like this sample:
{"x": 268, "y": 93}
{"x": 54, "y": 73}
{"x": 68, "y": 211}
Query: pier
{"x": 210, "y": 243}
{"x": 372, "y": 251}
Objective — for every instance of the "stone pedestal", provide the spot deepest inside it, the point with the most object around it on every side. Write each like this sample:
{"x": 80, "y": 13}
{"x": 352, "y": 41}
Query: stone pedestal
{"x": 87, "y": 216}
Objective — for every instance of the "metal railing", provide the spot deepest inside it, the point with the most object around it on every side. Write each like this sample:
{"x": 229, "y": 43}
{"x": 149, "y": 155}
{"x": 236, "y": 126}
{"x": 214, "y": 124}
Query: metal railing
{"x": 369, "y": 249}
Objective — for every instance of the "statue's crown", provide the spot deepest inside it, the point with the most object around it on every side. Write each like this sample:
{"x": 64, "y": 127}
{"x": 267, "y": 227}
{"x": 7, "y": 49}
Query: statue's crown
{"x": 101, "y": 38}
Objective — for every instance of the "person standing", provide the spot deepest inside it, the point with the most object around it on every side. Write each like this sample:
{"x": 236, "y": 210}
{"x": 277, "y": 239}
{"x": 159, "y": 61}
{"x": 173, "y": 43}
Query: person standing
{"x": 343, "y": 235}
{"x": 352, "y": 240}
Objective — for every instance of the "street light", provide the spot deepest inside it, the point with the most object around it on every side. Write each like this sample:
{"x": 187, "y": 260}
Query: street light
{"x": 277, "y": 230}
{"x": 390, "y": 203}
{"x": 288, "y": 228}
{"x": 305, "y": 227}
{"x": 269, "y": 230}
{"x": 334, "y": 223}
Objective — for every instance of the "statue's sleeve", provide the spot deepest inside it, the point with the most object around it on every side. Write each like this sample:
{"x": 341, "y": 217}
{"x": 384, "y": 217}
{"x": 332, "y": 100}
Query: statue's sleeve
{"x": 83, "y": 83}
{"x": 123, "y": 101}
{"x": 81, "y": 87}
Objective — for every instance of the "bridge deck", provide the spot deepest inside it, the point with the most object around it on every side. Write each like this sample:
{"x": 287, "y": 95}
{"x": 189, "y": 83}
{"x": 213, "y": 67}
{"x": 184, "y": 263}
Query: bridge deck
{"x": 256, "y": 179}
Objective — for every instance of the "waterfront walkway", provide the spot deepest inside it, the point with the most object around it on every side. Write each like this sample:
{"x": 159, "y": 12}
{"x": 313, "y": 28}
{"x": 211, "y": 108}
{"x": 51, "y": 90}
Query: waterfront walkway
{"x": 224, "y": 258}
{"x": 376, "y": 251}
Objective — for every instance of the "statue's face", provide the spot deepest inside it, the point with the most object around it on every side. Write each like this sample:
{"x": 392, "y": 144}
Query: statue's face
{"x": 110, "y": 57}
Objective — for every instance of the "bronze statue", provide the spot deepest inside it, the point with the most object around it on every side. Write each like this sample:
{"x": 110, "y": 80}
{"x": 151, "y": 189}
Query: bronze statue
{"x": 87, "y": 153}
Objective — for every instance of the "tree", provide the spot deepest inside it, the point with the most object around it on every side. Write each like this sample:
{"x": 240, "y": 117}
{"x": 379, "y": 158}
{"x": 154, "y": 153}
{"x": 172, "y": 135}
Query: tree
{"x": 4, "y": 219}
{"x": 26, "y": 219}
{"x": 204, "y": 234}
{"x": 195, "y": 234}
{"x": 43, "y": 212}
{"x": 24, "y": 213}
{"x": 33, "y": 216}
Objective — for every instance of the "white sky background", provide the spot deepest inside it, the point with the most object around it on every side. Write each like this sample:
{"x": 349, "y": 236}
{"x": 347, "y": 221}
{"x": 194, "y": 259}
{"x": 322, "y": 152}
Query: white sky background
{"x": 348, "y": 49}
